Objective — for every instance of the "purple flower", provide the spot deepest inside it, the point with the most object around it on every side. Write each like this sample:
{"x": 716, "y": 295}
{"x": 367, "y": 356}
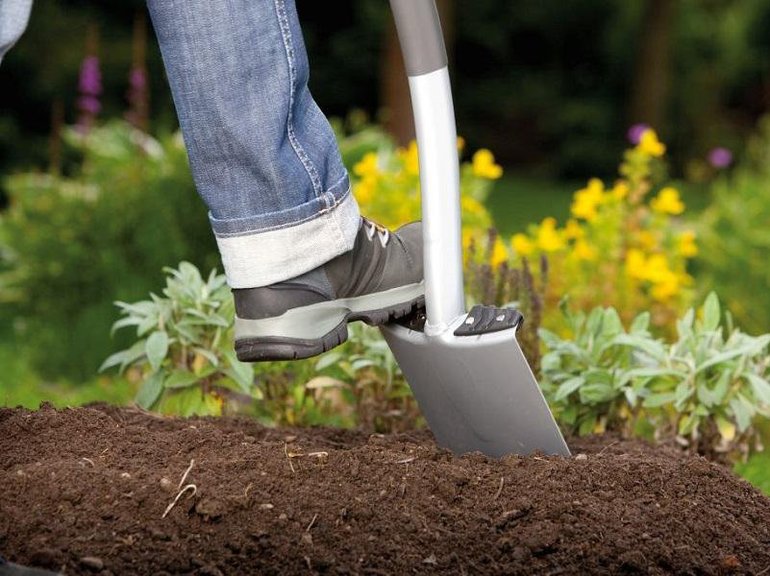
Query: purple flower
{"x": 90, "y": 87}
{"x": 720, "y": 157}
{"x": 89, "y": 105}
{"x": 635, "y": 132}
{"x": 90, "y": 81}
{"x": 137, "y": 78}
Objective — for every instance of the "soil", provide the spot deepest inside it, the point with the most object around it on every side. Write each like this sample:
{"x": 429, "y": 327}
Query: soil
{"x": 84, "y": 491}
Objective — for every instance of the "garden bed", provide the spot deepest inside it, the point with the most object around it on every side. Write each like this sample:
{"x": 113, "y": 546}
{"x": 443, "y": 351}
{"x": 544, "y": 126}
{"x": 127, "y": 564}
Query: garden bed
{"x": 84, "y": 491}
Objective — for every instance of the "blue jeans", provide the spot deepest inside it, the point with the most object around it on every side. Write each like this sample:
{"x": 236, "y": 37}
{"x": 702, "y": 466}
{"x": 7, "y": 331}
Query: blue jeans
{"x": 263, "y": 155}
{"x": 14, "y": 15}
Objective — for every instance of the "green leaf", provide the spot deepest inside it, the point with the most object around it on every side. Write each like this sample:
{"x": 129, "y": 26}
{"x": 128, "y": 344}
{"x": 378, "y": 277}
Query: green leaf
{"x": 711, "y": 313}
{"x": 180, "y": 379}
{"x": 156, "y": 348}
{"x": 125, "y": 357}
{"x": 640, "y": 324}
{"x": 128, "y": 321}
{"x": 687, "y": 424}
{"x": 611, "y": 324}
{"x": 113, "y": 360}
{"x": 726, "y": 428}
{"x": 569, "y": 414}
{"x": 653, "y": 348}
{"x": 150, "y": 391}
{"x": 587, "y": 426}
{"x": 182, "y": 402}
{"x": 659, "y": 399}
{"x": 596, "y": 393}
{"x": 328, "y": 359}
{"x": 207, "y": 354}
{"x": 761, "y": 388}
{"x": 240, "y": 372}
{"x": 212, "y": 405}
{"x": 723, "y": 357}
{"x": 682, "y": 393}
{"x": 568, "y": 387}
{"x": 743, "y": 411}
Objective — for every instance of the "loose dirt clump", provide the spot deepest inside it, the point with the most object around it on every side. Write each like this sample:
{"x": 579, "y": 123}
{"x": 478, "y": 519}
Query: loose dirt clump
{"x": 102, "y": 490}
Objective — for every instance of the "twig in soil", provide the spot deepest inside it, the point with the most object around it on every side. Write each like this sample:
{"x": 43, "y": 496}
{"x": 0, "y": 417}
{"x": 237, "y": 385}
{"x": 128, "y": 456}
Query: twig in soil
{"x": 499, "y": 490}
{"x": 407, "y": 460}
{"x": 186, "y": 472}
{"x": 91, "y": 462}
{"x": 765, "y": 571}
{"x": 309, "y": 526}
{"x": 192, "y": 487}
{"x": 246, "y": 492}
{"x": 289, "y": 456}
{"x": 610, "y": 445}
{"x": 321, "y": 454}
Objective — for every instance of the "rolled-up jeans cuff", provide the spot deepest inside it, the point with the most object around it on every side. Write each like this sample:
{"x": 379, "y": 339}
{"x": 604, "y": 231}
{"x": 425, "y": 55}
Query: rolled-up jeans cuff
{"x": 280, "y": 252}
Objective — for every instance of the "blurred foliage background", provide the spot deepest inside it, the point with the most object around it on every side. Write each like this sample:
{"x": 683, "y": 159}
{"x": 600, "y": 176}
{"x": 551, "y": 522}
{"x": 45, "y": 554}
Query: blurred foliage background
{"x": 551, "y": 87}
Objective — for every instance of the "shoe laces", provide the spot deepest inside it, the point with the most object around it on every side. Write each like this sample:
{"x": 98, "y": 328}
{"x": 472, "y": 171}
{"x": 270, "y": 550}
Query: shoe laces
{"x": 372, "y": 228}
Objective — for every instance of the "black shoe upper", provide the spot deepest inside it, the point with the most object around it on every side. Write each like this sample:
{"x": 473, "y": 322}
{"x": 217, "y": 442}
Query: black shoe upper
{"x": 380, "y": 260}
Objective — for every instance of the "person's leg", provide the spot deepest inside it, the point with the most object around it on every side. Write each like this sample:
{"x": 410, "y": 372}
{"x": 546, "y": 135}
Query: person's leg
{"x": 14, "y": 15}
{"x": 264, "y": 158}
{"x": 263, "y": 155}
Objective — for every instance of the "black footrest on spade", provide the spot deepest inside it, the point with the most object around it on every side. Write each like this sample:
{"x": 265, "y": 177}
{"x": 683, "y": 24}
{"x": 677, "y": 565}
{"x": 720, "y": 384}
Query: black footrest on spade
{"x": 484, "y": 319}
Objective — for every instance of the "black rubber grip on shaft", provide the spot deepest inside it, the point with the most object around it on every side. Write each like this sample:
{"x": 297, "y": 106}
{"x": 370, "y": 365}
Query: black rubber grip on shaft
{"x": 419, "y": 33}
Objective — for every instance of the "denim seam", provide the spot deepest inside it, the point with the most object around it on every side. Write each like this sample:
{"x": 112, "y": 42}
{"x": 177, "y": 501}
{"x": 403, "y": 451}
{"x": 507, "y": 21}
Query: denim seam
{"x": 283, "y": 20}
{"x": 331, "y": 203}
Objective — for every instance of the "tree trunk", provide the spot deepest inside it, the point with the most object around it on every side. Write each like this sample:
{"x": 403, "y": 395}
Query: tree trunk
{"x": 395, "y": 102}
{"x": 653, "y": 65}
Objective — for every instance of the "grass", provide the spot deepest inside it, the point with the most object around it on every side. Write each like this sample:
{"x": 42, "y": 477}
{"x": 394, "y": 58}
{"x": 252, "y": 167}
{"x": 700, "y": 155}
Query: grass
{"x": 757, "y": 471}
{"x": 518, "y": 200}
{"x": 21, "y": 386}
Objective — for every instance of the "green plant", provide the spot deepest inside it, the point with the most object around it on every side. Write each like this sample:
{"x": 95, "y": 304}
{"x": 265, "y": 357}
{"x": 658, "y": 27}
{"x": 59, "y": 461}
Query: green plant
{"x": 712, "y": 382}
{"x": 709, "y": 387}
{"x": 184, "y": 352}
{"x": 492, "y": 280}
{"x": 621, "y": 248}
{"x": 592, "y": 377}
{"x": 366, "y": 370}
{"x": 735, "y": 237}
{"x": 73, "y": 245}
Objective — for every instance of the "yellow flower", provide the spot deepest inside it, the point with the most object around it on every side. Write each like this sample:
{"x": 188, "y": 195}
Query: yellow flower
{"x": 364, "y": 189}
{"x": 573, "y": 230}
{"x": 686, "y": 244}
{"x": 666, "y": 288}
{"x": 548, "y": 238}
{"x": 648, "y": 240}
{"x": 368, "y": 166}
{"x": 587, "y": 199}
{"x": 410, "y": 158}
{"x": 584, "y": 251}
{"x": 620, "y": 190}
{"x": 635, "y": 263}
{"x": 650, "y": 145}
{"x": 484, "y": 166}
{"x": 467, "y": 238}
{"x": 460, "y": 143}
{"x": 471, "y": 206}
{"x": 522, "y": 245}
{"x": 499, "y": 253}
{"x": 667, "y": 201}
{"x": 656, "y": 269}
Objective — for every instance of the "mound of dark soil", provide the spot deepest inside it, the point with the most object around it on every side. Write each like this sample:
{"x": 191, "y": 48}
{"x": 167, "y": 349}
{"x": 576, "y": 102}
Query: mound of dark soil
{"x": 89, "y": 490}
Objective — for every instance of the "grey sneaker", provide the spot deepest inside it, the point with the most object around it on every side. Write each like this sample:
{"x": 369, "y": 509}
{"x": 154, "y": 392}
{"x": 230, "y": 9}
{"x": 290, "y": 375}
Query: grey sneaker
{"x": 379, "y": 280}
